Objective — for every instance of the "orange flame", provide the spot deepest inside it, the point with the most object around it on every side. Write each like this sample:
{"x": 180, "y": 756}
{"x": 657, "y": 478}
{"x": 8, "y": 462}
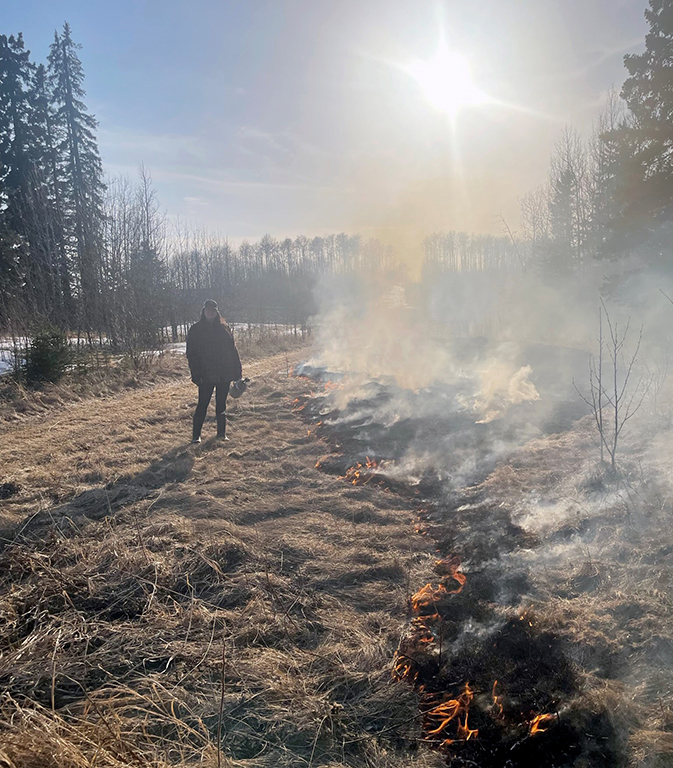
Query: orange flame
{"x": 451, "y": 710}
{"x": 421, "y": 622}
{"x": 361, "y": 474}
{"x": 447, "y": 712}
{"x": 535, "y": 725}
{"x": 465, "y": 732}
{"x": 426, "y": 598}
{"x": 403, "y": 668}
{"x": 449, "y": 568}
{"x": 497, "y": 704}
{"x": 423, "y": 635}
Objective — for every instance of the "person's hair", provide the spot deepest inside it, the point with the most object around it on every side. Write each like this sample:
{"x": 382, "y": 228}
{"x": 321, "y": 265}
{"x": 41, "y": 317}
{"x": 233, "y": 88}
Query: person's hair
{"x": 217, "y": 319}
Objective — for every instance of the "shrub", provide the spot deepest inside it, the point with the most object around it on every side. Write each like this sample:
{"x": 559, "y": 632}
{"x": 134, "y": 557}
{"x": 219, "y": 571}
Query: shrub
{"x": 48, "y": 355}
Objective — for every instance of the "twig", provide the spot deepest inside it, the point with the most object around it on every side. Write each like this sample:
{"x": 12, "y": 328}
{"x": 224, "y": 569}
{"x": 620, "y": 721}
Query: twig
{"x": 667, "y": 296}
{"x": 53, "y": 672}
{"x": 200, "y": 661}
{"x": 511, "y": 237}
{"x": 219, "y": 720}
{"x": 315, "y": 741}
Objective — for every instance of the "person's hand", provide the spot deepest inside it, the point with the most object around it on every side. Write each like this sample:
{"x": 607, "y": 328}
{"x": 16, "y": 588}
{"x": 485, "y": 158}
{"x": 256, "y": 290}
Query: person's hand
{"x": 196, "y": 379}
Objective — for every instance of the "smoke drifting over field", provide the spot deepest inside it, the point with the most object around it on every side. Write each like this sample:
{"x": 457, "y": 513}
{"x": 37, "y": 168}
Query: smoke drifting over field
{"x": 461, "y": 391}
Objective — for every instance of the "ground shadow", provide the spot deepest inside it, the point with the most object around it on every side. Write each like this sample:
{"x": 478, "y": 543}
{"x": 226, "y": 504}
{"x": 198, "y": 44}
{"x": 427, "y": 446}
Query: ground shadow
{"x": 175, "y": 466}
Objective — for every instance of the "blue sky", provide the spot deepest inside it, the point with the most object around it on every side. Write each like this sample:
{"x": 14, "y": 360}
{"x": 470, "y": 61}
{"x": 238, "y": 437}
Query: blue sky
{"x": 295, "y": 116}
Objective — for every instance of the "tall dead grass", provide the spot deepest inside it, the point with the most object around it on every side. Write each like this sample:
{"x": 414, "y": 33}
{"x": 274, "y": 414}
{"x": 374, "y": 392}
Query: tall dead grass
{"x": 224, "y": 605}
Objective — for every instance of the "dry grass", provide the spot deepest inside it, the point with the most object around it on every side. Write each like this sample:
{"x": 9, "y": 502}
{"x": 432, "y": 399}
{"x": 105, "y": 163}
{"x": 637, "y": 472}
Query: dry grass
{"x": 101, "y": 375}
{"x": 106, "y": 378}
{"x": 154, "y": 595}
{"x": 233, "y": 605}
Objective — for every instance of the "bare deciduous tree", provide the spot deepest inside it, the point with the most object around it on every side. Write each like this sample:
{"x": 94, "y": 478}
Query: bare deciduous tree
{"x": 612, "y": 398}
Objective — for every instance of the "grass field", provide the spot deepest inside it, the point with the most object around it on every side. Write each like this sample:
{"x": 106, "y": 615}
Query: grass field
{"x": 241, "y": 603}
{"x": 158, "y": 599}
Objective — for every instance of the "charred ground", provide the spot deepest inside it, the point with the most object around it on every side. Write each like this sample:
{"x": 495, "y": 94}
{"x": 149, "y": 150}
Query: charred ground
{"x": 553, "y": 651}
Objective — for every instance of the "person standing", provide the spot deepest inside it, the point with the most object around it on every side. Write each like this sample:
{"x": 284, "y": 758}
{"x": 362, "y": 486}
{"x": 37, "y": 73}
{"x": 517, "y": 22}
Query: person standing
{"x": 213, "y": 363}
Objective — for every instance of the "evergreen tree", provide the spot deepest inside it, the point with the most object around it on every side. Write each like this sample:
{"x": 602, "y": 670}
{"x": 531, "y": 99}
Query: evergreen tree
{"x": 15, "y": 165}
{"x": 606, "y": 169}
{"x": 568, "y": 203}
{"x": 49, "y": 187}
{"x": 10, "y": 270}
{"x": 646, "y": 187}
{"x": 82, "y": 172}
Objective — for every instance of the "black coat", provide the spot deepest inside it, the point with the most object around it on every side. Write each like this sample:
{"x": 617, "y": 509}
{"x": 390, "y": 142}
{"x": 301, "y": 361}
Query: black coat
{"x": 211, "y": 352}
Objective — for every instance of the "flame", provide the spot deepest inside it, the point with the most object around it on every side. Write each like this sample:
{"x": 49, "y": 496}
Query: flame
{"x": 465, "y": 732}
{"x": 427, "y": 597}
{"x": 361, "y": 474}
{"x": 422, "y": 621}
{"x": 450, "y": 710}
{"x": 447, "y": 711}
{"x": 403, "y": 668}
{"x": 422, "y": 632}
{"x": 524, "y": 617}
{"x": 497, "y": 704}
{"x": 535, "y": 725}
{"x": 449, "y": 567}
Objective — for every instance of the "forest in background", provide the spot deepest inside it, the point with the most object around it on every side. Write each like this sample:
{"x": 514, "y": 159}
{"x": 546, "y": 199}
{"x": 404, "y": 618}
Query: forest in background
{"x": 96, "y": 258}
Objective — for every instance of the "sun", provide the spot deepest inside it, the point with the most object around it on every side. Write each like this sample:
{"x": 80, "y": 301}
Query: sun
{"x": 446, "y": 82}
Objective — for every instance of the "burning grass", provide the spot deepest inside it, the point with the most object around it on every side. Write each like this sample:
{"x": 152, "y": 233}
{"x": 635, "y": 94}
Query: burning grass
{"x": 552, "y": 646}
{"x": 246, "y": 603}
{"x": 220, "y": 605}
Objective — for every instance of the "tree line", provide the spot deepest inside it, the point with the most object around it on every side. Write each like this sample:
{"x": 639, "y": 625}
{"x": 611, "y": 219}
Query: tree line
{"x": 611, "y": 197}
{"x": 97, "y": 258}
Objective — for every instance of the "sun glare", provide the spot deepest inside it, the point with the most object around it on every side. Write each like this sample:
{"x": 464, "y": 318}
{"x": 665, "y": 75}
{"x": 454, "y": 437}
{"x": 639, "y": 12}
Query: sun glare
{"x": 446, "y": 82}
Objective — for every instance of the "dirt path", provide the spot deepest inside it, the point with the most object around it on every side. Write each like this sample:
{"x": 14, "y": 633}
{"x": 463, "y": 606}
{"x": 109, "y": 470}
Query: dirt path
{"x": 134, "y": 563}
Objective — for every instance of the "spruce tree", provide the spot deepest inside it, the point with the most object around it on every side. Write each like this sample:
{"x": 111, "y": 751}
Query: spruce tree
{"x": 82, "y": 172}
{"x": 49, "y": 191}
{"x": 15, "y": 166}
{"x": 606, "y": 169}
{"x": 647, "y": 176}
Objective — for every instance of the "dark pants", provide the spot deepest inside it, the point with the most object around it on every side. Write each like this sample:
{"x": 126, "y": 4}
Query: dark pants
{"x": 205, "y": 393}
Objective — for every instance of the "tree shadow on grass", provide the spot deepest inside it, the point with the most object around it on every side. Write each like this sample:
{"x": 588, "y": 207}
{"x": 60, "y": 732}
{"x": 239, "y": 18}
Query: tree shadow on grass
{"x": 175, "y": 466}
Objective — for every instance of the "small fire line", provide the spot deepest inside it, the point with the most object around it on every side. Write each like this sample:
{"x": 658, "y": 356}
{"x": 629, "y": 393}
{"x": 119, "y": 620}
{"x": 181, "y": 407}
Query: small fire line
{"x": 444, "y": 717}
